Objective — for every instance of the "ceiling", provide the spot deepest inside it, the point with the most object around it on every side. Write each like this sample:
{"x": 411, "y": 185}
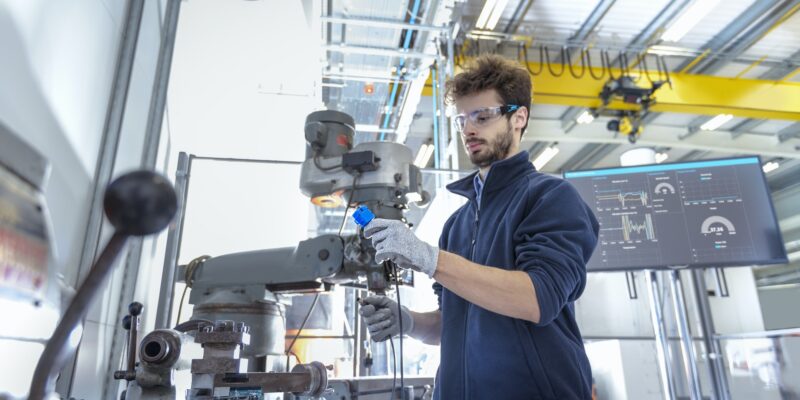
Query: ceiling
{"x": 765, "y": 29}
{"x": 744, "y": 39}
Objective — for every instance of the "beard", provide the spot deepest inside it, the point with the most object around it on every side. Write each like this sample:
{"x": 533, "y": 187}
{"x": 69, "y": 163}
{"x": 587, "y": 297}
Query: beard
{"x": 495, "y": 150}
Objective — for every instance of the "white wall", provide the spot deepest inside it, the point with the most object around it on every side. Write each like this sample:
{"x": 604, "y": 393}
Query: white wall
{"x": 59, "y": 60}
{"x": 55, "y": 90}
{"x": 245, "y": 76}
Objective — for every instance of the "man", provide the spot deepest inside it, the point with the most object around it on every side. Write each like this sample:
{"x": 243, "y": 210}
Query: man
{"x": 510, "y": 262}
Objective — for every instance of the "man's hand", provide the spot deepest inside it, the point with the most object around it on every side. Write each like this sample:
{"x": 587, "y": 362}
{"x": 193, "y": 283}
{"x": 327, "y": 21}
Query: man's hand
{"x": 395, "y": 242}
{"x": 381, "y": 316}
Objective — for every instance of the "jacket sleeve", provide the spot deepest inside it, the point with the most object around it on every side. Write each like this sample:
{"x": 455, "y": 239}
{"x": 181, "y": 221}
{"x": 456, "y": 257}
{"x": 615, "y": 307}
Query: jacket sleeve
{"x": 437, "y": 287}
{"x": 553, "y": 244}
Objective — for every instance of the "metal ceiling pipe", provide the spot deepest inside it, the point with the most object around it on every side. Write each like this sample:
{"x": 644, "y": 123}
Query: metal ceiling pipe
{"x": 381, "y": 23}
{"x": 392, "y": 97}
{"x": 376, "y": 51}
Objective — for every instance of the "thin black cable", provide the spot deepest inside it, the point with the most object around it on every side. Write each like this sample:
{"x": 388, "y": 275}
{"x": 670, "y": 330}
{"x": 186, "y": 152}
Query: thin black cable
{"x": 666, "y": 70}
{"x": 525, "y": 53}
{"x": 346, "y": 209}
{"x": 550, "y": 67}
{"x": 400, "y": 320}
{"x": 661, "y": 68}
{"x": 623, "y": 63}
{"x": 604, "y": 55}
{"x": 394, "y": 366}
{"x": 591, "y": 70}
{"x": 571, "y": 69}
{"x": 638, "y": 62}
{"x": 302, "y": 325}
{"x": 188, "y": 277}
{"x": 646, "y": 68}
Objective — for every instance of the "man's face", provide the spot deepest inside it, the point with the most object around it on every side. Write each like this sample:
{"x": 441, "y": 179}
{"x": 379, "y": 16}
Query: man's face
{"x": 494, "y": 140}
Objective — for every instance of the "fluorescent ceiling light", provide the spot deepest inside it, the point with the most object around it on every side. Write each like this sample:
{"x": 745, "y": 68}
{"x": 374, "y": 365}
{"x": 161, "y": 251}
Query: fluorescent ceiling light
{"x": 484, "y": 17}
{"x": 498, "y": 11}
{"x": 424, "y": 155}
{"x": 490, "y": 15}
{"x": 688, "y": 19}
{"x": 663, "y": 50}
{"x": 716, "y": 122}
{"x": 585, "y": 118}
{"x": 545, "y": 157}
{"x": 770, "y": 166}
{"x": 660, "y": 157}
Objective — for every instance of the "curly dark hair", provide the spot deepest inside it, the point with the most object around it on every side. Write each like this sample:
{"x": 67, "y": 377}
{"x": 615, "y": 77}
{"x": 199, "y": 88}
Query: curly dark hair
{"x": 490, "y": 71}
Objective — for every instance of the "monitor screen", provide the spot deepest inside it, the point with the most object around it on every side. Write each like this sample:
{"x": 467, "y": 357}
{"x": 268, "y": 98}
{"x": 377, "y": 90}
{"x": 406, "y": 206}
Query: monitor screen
{"x": 712, "y": 213}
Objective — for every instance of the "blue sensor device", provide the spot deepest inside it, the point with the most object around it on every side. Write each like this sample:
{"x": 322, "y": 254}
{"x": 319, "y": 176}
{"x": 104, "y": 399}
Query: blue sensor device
{"x": 363, "y": 216}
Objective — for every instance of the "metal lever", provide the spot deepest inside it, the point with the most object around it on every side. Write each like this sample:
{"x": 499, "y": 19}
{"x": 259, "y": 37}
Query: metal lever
{"x": 131, "y": 324}
{"x": 137, "y": 204}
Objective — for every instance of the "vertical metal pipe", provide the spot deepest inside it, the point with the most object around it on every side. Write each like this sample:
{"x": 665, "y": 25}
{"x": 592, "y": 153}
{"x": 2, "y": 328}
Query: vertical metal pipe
{"x": 720, "y": 282}
{"x": 715, "y": 366}
{"x": 155, "y": 116}
{"x": 356, "y": 334}
{"x": 687, "y": 347}
{"x": 662, "y": 347}
{"x": 111, "y": 131}
{"x": 165, "y": 297}
{"x": 444, "y": 126}
{"x": 717, "y": 284}
{"x": 437, "y": 146}
{"x": 451, "y": 65}
{"x": 451, "y": 59}
{"x": 630, "y": 280}
{"x": 158, "y": 101}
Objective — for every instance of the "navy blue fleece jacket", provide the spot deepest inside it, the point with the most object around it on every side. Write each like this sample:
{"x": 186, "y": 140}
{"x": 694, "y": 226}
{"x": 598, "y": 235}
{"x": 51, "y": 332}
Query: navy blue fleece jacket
{"x": 531, "y": 222}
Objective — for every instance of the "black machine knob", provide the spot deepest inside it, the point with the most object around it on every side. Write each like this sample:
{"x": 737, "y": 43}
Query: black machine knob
{"x": 135, "y": 308}
{"x": 126, "y": 322}
{"x": 140, "y": 203}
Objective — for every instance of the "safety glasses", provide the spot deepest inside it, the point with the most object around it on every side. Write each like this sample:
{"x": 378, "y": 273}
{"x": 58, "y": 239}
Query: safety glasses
{"x": 483, "y": 116}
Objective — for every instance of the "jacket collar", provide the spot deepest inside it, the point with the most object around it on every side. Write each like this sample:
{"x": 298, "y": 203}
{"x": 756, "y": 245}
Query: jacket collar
{"x": 502, "y": 174}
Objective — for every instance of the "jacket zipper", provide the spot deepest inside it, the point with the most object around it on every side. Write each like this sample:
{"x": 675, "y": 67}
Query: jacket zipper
{"x": 475, "y": 232}
{"x": 469, "y": 307}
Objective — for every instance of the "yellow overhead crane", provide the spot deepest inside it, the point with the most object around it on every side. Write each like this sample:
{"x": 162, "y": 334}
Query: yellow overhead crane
{"x": 688, "y": 93}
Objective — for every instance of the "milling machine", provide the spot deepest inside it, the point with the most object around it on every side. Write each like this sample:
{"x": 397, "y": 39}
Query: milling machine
{"x": 239, "y": 299}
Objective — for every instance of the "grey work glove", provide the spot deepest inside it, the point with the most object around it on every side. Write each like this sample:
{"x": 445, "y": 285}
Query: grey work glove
{"x": 394, "y": 241}
{"x": 380, "y": 315}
